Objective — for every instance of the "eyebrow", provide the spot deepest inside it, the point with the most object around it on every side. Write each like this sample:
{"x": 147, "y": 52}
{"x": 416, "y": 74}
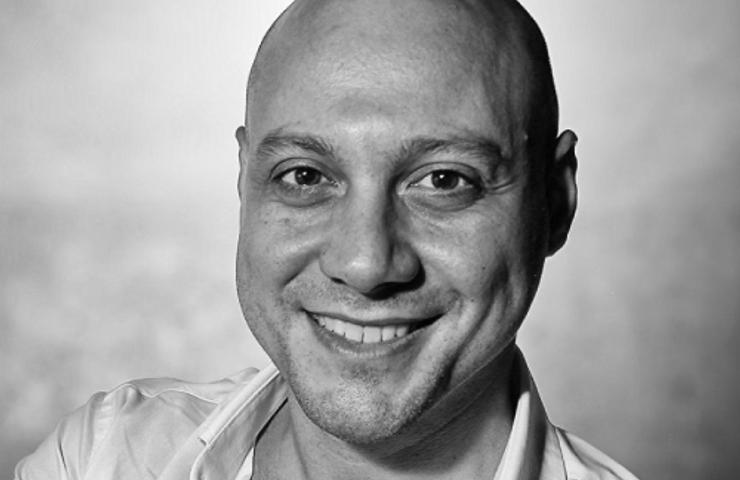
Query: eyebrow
{"x": 277, "y": 141}
{"x": 466, "y": 146}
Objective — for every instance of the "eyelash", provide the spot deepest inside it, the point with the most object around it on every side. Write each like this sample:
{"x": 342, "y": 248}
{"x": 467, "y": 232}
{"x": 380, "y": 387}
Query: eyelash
{"x": 443, "y": 175}
{"x": 302, "y": 169}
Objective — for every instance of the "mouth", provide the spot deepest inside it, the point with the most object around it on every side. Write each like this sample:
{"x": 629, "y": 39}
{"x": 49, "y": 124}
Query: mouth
{"x": 368, "y": 334}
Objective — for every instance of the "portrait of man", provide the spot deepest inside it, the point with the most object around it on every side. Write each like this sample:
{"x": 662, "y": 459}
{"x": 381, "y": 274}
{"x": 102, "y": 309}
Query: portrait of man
{"x": 404, "y": 181}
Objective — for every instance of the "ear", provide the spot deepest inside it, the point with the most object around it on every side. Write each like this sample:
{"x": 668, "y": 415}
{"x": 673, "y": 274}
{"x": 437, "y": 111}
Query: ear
{"x": 241, "y": 138}
{"x": 562, "y": 193}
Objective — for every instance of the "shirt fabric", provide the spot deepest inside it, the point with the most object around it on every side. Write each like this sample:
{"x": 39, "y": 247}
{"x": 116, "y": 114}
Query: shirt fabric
{"x": 168, "y": 429}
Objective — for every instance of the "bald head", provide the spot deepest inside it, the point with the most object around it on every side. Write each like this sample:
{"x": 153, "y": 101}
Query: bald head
{"x": 494, "y": 40}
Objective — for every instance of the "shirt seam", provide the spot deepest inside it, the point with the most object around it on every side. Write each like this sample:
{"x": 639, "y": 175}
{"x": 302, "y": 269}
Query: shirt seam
{"x": 149, "y": 394}
{"x": 106, "y": 404}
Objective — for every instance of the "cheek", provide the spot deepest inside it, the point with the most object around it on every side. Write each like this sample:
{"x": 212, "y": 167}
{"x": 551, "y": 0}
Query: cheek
{"x": 496, "y": 286}
{"x": 260, "y": 269}
{"x": 476, "y": 256}
{"x": 266, "y": 261}
{"x": 274, "y": 247}
{"x": 491, "y": 261}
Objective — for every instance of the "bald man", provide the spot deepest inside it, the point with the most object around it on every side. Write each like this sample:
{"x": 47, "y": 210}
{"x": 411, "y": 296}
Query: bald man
{"x": 401, "y": 184}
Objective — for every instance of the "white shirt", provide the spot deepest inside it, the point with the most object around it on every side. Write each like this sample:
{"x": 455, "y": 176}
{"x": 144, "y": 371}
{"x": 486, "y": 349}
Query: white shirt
{"x": 168, "y": 429}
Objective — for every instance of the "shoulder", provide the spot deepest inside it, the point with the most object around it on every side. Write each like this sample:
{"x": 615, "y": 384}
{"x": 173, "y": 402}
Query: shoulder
{"x": 136, "y": 419}
{"x": 148, "y": 390}
{"x": 583, "y": 461}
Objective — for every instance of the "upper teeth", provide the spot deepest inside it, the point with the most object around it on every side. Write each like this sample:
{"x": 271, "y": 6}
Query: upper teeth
{"x": 358, "y": 333}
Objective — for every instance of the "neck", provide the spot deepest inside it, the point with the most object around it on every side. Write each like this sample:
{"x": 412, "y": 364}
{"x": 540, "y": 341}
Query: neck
{"x": 463, "y": 435}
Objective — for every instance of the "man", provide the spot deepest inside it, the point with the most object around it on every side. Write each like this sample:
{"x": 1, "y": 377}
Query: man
{"x": 401, "y": 184}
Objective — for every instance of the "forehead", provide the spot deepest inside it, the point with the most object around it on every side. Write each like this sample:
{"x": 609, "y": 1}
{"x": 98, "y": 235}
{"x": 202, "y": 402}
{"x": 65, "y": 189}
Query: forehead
{"x": 404, "y": 62}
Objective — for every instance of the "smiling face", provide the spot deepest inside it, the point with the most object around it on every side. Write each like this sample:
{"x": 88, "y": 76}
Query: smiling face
{"x": 393, "y": 228}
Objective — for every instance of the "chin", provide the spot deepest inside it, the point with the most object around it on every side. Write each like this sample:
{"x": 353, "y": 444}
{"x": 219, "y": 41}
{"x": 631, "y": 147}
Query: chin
{"x": 359, "y": 414}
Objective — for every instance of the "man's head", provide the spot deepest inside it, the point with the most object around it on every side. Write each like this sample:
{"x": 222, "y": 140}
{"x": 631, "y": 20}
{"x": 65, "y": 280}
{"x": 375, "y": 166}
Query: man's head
{"x": 401, "y": 185}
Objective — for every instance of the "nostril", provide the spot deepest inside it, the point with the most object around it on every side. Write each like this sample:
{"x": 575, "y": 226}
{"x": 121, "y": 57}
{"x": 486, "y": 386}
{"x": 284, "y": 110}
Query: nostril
{"x": 390, "y": 289}
{"x": 337, "y": 280}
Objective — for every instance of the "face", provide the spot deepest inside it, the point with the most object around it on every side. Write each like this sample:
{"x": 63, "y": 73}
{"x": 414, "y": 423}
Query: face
{"x": 391, "y": 228}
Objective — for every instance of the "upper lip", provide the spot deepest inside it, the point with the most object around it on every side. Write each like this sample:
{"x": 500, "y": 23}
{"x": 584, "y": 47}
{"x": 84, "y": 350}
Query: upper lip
{"x": 373, "y": 320}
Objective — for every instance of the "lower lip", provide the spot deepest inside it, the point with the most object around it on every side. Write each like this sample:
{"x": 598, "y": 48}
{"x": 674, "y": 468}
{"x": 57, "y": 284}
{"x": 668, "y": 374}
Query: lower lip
{"x": 366, "y": 350}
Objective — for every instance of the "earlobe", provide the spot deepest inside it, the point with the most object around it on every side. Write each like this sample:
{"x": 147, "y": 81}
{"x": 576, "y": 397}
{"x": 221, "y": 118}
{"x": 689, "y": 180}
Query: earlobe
{"x": 562, "y": 193}
{"x": 241, "y": 138}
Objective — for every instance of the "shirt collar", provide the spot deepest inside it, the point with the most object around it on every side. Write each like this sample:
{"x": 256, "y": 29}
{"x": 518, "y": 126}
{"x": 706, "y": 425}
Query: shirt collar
{"x": 228, "y": 436}
{"x": 532, "y": 451}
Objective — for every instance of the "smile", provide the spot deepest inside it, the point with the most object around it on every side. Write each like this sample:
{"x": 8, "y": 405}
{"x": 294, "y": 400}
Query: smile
{"x": 366, "y": 334}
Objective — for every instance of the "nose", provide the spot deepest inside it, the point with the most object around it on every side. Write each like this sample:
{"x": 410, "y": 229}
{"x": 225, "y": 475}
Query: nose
{"x": 364, "y": 250}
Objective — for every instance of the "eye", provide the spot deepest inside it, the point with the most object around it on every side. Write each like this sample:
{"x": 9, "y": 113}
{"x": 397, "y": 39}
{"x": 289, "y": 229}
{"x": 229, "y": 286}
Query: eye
{"x": 303, "y": 177}
{"x": 444, "y": 180}
{"x": 444, "y": 187}
{"x": 301, "y": 184}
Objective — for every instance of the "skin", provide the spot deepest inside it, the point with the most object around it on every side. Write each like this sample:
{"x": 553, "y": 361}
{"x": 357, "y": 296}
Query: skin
{"x": 398, "y": 164}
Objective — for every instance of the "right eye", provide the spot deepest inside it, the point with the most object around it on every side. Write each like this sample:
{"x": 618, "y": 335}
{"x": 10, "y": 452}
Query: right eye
{"x": 303, "y": 185}
{"x": 303, "y": 177}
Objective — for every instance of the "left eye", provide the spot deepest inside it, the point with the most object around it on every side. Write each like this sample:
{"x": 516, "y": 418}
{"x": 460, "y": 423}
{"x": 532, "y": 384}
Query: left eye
{"x": 445, "y": 180}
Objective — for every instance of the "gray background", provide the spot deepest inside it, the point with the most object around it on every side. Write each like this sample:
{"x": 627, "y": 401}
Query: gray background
{"x": 118, "y": 216}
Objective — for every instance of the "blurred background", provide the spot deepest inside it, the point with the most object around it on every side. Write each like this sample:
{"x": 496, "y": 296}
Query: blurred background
{"x": 118, "y": 216}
